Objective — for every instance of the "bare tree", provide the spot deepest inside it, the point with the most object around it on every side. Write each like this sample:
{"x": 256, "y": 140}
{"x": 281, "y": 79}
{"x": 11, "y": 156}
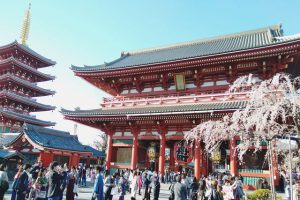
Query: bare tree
{"x": 101, "y": 142}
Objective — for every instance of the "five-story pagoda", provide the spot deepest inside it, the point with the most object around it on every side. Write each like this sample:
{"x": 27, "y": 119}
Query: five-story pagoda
{"x": 19, "y": 76}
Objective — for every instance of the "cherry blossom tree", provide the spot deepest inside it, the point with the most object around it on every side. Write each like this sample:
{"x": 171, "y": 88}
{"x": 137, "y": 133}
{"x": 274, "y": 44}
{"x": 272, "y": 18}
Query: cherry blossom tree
{"x": 271, "y": 112}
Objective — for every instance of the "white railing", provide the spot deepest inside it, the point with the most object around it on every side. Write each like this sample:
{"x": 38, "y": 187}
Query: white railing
{"x": 119, "y": 102}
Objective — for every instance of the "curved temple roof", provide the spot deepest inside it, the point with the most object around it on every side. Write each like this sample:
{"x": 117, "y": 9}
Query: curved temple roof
{"x": 212, "y": 46}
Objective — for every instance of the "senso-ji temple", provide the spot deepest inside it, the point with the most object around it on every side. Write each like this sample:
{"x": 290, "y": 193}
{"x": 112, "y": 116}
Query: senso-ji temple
{"x": 159, "y": 93}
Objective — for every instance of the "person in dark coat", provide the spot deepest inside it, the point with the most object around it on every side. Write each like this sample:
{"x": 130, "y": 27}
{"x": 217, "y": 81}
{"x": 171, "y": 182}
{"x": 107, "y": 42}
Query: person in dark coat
{"x": 70, "y": 195}
{"x": 22, "y": 185}
{"x": 55, "y": 180}
{"x": 146, "y": 185}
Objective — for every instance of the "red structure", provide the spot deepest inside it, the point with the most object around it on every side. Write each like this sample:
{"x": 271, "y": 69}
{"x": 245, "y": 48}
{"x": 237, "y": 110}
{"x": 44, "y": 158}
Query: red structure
{"x": 19, "y": 76}
{"x": 159, "y": 93}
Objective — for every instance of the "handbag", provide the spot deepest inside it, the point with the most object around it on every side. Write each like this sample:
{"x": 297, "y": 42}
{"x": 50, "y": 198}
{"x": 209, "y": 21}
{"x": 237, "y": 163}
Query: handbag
{"x": 41, "y": 194}
{"x": 75, "y": 189}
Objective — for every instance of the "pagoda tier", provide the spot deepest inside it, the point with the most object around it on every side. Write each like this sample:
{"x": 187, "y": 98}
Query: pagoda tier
{"x": 23, "y": 71}
{"x": 23, "y": 104}
{"x": 18, "y": 84}
{"x": 25, "y": 55}
{"x": 197, "y": 67}
{"x": 13, "y": 83}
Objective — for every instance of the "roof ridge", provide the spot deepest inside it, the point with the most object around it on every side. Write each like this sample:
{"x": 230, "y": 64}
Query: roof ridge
{"x": 209, "y": 39}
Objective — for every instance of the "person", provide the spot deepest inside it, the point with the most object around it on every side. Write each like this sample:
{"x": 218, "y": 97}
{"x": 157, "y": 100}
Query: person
{"x": 155, "y": 186}
{"x": 36, "y": 169}
{"x": 202, "y": 188}
{"x": 16, "y": 178}
{"x": 194, "y": 189}
{"x": 180, "y": 190}
{"x": 83, "y": 177}
{"x": 93, "y": 175}
{"x": 3, "y": 180}
{"x": 55, "y": 180}
{"x": 71, "y": 192}
{"x": 122, "y": 186}
{"x": 64, "y": 182}
{"x": 98, "y": 185}
{"x": 216, "y": 191}
{"x": 140, "y": 182}
{"x": 22, "y": 185}
{"x": 238, "y": 189}
{"x": 108, "y": 185}
{"x": 40, "y": 185}
{"x": 228, "y": 191}
{"x": 146, "y": 185}
{"x": 185, "y": 181}
{"x": 134, "y": 185}
{"x": 265, "y": 184}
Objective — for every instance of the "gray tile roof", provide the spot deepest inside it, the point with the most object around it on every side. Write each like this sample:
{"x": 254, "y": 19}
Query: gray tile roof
{"x": 24, "y": 118}
{"x": 6, "y": 154}
{"x": 95, "y": 152}
{"x": 7, "y": 138}
{"x": 29, "y": 51}
{"x": 51, "y": 138}
{"x": 158, "y": 109}
{"x": 206, "y": 47}
{"x": 46, "y": 77}
{"x": 25, "y": 100}
{"x": 27, "y": 84}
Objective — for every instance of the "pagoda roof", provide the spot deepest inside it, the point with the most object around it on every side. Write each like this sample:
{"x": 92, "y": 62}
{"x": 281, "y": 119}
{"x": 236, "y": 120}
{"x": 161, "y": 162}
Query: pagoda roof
{"x": 28, "y": 50}
{"x": 96, "y": 153}
{"x": 26, "y": 100}
{"x": 237, "y": 42}
{"x": 44, "y": 92}
{"x": 46, "y": 77}
{"x": 158, "y": 110}
{"x": 24, "y": 118}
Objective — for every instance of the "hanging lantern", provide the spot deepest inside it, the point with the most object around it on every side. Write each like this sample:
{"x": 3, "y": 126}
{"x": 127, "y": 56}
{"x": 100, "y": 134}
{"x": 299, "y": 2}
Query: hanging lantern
{"x": 151, "y": 152}
{"x": 216, "y": 156}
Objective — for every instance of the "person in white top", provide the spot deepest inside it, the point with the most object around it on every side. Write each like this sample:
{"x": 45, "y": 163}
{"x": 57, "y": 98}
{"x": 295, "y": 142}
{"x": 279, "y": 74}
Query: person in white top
{"x": 134, "y": 185}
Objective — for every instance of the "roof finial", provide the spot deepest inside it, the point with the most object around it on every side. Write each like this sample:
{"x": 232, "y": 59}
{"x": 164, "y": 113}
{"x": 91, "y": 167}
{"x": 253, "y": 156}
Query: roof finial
{"x": 26, "y": 25}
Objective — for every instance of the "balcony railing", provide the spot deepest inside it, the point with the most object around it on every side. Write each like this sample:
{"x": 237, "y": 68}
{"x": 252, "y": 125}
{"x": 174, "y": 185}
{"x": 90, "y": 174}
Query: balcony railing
{"x": 119, "y": 102}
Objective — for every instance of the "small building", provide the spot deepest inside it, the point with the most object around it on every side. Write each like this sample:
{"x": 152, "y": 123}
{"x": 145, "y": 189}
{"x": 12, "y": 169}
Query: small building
{"x": 46, "y": 144}
{"x": 97, "y": 157}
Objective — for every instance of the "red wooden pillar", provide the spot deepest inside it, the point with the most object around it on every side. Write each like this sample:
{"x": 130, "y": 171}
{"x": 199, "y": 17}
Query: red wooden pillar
{"x": 162, "y": 153}
{"x": 134, "y": 152}
{"x": 197, "y": 169}
{"x": 46, "y": 158}
{"x": 233, "y": 158}
{"x": 172, "y": 158}
{"x": 88, "y": 161}
{"x": 203, "y": 156}
{"x": 109, "y": 150}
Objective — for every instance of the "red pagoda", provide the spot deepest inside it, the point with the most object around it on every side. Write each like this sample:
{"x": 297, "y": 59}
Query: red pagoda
{"x": 157, "y": 94}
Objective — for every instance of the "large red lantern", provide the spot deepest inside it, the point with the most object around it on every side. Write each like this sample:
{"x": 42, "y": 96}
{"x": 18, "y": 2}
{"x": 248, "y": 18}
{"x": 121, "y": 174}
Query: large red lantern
{"x": 182, "y": 153}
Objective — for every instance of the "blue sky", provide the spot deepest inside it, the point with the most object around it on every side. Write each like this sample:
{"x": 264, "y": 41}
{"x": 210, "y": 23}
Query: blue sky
{"x": 92, "y": 32}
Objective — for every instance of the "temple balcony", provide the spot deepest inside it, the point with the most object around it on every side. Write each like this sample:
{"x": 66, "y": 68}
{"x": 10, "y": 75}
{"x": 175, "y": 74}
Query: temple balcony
{"x": 123, "y": 102}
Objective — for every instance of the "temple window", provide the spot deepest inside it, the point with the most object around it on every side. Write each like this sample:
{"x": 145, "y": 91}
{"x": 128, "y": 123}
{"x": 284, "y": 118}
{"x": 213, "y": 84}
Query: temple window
{"x": 223, "y": 82}
{"x": 207, "y": 84}
{"x": 147, "y": 90}
{"x": 156, "y": 89}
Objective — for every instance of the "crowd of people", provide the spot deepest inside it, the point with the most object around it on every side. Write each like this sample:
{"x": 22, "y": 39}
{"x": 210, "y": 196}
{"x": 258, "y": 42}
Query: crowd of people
{"x": 39, "y": 183}
{"x": 57, "y": 182}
